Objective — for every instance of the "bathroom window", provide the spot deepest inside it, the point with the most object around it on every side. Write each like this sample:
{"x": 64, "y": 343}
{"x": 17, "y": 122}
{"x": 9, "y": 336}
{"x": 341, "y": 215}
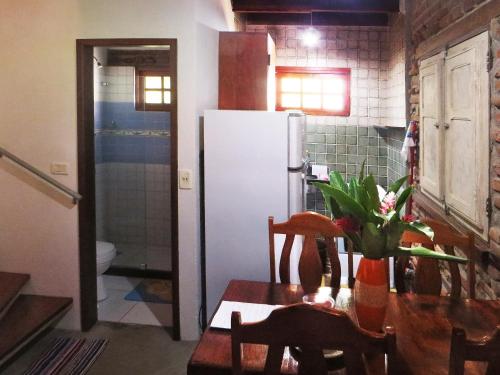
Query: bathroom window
{"x": 316, "y": 91}
{"x": 153, "y": 90}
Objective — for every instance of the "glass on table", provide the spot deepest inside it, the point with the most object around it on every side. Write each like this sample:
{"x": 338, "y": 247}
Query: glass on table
{"x": 323, "y": 297}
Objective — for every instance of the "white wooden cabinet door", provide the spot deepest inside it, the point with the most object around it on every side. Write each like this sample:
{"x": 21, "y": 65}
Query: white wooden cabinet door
{"x": 466, "y": 129}
{"x": 431, "y": 129}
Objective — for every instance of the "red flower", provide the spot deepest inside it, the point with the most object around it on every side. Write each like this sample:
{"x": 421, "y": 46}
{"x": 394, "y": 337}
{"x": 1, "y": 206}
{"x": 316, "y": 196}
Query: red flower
{"x": 347, "y": 224}
{"x": 409, "y": 218}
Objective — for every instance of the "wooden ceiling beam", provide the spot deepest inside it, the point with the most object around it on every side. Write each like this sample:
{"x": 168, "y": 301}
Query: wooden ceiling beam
{"x": 308, "y": 6}
{"x": 318, "y": 19}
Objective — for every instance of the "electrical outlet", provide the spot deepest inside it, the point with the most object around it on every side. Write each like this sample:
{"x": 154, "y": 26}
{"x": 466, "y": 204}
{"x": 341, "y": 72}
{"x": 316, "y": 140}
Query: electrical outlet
{"x": 185, "y": 179}
{"x": 59, "y": 168}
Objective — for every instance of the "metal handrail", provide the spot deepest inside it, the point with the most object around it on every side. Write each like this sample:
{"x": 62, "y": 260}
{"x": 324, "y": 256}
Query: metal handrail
{"x": 76, "y": 196}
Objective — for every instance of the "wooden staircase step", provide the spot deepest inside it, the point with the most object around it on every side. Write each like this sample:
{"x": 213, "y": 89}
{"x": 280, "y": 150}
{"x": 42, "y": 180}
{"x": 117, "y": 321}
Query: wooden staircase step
{"x": 28, "y": 316}
{"x": 10, "y": 286}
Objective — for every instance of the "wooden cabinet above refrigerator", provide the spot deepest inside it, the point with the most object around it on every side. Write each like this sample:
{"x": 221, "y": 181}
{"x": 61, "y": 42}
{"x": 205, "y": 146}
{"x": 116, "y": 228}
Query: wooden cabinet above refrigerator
{"x": 246, "y": 71}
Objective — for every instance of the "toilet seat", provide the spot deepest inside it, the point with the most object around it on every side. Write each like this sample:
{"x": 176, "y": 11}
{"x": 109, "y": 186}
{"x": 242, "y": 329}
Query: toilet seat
{"x": 105, "y": 251}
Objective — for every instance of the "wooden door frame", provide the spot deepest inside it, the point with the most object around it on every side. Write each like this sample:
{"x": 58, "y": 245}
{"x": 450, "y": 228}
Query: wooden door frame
{"x": 86, "y": 176}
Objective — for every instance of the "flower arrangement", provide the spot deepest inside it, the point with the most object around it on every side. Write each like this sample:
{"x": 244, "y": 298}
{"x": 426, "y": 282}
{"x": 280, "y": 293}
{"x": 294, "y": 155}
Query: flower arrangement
{"x": 373, "y": 221}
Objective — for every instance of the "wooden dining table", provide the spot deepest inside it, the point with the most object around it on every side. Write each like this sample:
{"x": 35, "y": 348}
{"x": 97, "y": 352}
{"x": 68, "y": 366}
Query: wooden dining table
{"x": 422, "y": 323}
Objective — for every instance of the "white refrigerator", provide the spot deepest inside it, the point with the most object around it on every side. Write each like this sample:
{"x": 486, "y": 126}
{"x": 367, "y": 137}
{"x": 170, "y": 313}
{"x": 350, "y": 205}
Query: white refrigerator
{"x": 254, "y": 167}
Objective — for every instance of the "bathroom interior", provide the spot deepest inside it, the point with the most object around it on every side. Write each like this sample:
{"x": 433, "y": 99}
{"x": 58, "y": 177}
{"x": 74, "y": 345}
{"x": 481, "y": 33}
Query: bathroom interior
{"x": 132, "y": 116}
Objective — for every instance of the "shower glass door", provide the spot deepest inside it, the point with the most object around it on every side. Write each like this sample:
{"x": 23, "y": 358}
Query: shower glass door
{"x": 134, "y": 94}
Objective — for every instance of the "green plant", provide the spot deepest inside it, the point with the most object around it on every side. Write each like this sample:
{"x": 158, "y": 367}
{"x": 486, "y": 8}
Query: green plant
{"x": 375, "y": 226}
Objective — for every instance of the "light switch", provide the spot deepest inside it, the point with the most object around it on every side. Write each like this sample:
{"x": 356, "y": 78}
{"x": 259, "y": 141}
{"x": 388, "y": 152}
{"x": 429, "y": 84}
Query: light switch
{"x": 59, "y": 168}
{"x": 185, "y": 179}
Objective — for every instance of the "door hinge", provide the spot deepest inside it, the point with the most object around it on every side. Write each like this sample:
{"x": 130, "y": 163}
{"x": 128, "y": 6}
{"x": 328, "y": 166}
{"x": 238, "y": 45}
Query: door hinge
{"x": 489, "y": 208}
{"x": 446, "y": 209}
{"x": 489, "y": 60}
{"x": 268, "y": 60}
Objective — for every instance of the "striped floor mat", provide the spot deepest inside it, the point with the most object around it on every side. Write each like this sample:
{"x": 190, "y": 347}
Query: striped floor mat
{"x": 68, "y": 356}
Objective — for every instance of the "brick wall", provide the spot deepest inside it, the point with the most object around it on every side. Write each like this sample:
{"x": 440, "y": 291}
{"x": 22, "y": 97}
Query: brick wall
{"x": 429, "y": 18}
{"x": 493, "y": 269}
{"x": 432, "y": 16}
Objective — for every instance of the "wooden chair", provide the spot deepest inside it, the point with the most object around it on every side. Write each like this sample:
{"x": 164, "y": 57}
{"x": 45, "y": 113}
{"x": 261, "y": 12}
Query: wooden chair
{"x": 310, "y": 225}
{"x": 427, "y": 273}
{"x": 312, "y": 329}
{"x": 485, "y": 350}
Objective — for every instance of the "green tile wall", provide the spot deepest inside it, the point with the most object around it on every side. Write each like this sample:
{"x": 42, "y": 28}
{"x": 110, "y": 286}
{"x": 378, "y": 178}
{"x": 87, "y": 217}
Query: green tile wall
{"x": 396, "y": 164}
{"x": 344, "y": 148}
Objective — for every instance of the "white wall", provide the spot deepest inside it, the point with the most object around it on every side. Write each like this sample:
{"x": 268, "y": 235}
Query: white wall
{"x": 395, "y": 100}
{"x": 39, "y": 235}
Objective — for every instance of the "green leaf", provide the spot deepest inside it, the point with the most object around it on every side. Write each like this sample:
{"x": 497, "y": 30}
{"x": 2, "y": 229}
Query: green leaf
{"x": 376, "y": 219}
{"x": 337, "y": 181}
{"x": 333, "y": 207}
{"x": 371, "y": 188}
{"x": 420, "y": 228}
{"x": 394, "y": 187}
{"x": 394, "y": 232}
{"x": 373, "y": 241}
{"x": 385, "y": 217}
{"x": 362, "y": 171}
{"x": 356, "y": 241}
{"x": 351, "y": 189}
{"x": 354, "y": 190}
{"x": 330, "y": 202}
{"x": 346, "y": 203}
{"x": 364, "y": 199}
{"x": 403, "y": 198}
{"x": 426, "y": 253}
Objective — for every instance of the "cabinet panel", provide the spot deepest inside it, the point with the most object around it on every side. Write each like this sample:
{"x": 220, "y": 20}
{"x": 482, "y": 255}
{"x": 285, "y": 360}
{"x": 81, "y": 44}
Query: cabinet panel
{"x": 461, "y": 134}
{"x": 466, "y": 119}
{"x": 454, "y": 139}
{"x": 431, "y": 152}
{"x": 244, "y": 68}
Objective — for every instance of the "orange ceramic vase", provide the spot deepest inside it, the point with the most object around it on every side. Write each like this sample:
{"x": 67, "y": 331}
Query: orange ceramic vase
{"x": 371, "y": 293}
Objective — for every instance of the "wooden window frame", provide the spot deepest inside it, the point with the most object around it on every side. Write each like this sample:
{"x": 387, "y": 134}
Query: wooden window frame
{"x": 140, "y": 104}
{"x": 344, "y": 73}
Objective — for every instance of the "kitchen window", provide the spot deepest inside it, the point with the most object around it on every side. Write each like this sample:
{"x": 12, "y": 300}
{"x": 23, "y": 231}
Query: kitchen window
{"x": 454, "y": 131}
{"x": 316, "y": 91}
{"x": 153, "y": 90}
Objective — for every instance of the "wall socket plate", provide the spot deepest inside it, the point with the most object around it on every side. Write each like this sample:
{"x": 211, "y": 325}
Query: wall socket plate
{"x": 59, "y": 168}
{"x": 185, "y": 178}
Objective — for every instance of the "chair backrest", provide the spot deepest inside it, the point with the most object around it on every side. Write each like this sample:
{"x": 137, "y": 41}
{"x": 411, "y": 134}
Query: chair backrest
{"x": 427, "y": 275}
{"x": 312, "y": 329}
{"x": 485, "y": 350}
{"x": 310, "y": 225}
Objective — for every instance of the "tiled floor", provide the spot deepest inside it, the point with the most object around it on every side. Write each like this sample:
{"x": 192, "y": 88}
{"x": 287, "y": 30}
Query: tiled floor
{"x": 117, "y": 309}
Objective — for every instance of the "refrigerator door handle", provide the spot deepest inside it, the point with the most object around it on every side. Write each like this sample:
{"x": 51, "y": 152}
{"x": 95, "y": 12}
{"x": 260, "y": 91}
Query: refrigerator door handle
{"x": 296, "y": 169}
{"x": 301, "y": 168}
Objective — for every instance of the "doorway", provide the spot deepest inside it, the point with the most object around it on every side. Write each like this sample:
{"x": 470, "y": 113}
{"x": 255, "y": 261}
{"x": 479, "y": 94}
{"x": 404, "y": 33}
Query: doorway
{"x": 127, "y": 164}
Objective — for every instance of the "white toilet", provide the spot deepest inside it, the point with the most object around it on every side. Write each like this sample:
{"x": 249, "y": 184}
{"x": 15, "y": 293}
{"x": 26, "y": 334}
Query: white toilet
{"x": 105, "y": 252}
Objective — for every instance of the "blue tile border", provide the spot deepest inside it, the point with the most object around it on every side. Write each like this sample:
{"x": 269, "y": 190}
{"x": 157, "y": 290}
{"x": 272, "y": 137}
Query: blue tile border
{"x": 132, "y": 149}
